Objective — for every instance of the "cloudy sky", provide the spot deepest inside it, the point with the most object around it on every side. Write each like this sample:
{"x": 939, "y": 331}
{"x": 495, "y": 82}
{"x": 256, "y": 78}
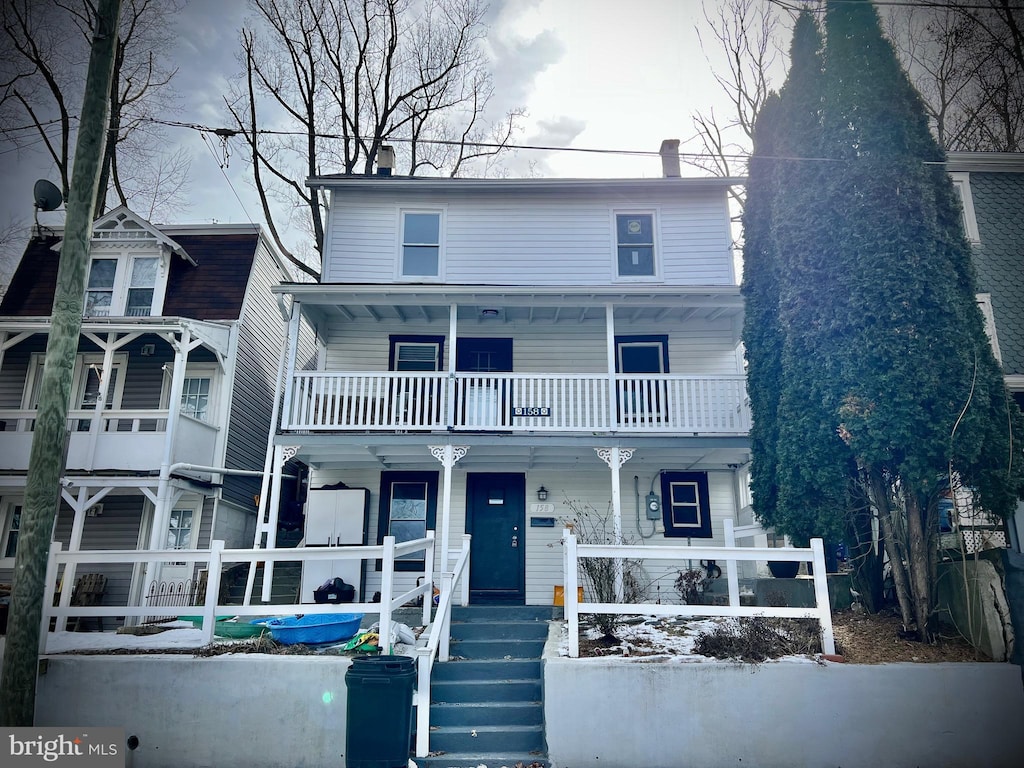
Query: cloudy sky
{"x": 602, "y": 74}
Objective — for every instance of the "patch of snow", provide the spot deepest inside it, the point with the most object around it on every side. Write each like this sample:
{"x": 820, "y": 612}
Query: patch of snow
{"x": 658, "y": 639}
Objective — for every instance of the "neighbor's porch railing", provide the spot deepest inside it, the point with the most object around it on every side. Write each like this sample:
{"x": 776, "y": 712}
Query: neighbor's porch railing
{"x": 730, "y": 554}
{"x": 213, "y": 560}
{"x": 437, "y": 645}
{"x": 589, "y": 402}
{"x": 129, "y": 439}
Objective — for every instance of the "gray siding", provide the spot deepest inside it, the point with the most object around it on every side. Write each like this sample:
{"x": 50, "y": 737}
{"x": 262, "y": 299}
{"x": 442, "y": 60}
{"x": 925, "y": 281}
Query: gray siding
{"x": 999, "y": 258}
{"x": 538, "y": 239}
{"x": 118, "y": 528}
{"x": 260, "y": 335}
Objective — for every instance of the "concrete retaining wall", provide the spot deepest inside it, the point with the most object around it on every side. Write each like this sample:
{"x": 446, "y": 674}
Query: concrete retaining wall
{"x": 250, "y": 711}
{"x": 257, "y": 711}
{"x": 625, "y": 714}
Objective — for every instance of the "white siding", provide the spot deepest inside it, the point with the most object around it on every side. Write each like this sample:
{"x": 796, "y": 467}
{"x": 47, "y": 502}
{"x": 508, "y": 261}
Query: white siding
{"x": 543, "y": 548}
{"x": 698, "y": 347}
{"x": 533, "y": 239}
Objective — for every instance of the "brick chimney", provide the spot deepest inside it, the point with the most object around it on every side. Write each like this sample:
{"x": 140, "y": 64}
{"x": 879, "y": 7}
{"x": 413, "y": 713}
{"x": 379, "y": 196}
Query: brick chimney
{"x": 670, "y": 158}
{"x": 386, "y": 160}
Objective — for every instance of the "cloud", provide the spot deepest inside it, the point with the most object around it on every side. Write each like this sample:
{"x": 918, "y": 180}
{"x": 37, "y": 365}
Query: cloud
{"x": 517, "y": 59}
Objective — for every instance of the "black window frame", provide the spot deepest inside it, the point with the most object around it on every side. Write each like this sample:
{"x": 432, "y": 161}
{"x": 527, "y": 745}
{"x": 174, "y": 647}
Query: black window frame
{"x": 395, "y": 339}
{"x": 387, "y": 481}
{"x": 701, "y": 529}
{"x": 622, "y": 245}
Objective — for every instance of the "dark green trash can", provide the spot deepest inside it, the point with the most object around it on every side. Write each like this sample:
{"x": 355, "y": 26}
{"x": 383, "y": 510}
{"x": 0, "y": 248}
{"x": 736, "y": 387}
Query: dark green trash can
{"x": 378, "y": 725}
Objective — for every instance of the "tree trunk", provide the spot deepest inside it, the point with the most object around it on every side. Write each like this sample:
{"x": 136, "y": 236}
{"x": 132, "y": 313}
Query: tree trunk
{"x": 920, "y": 565}
{"x": 880, "y": 497}
{"x": 46, "y": 459}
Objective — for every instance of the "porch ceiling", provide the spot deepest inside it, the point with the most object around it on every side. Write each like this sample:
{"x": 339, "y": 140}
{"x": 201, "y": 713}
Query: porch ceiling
{"x": 527, "y": 305}
{"x": 492, "y": 452}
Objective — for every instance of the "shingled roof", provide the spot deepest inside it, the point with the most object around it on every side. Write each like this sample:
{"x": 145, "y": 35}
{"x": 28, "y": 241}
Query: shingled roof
{"x": 212, "y": 289}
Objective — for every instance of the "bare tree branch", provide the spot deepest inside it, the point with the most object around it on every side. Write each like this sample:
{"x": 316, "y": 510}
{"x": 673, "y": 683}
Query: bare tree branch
{"x": 368, "y": 72}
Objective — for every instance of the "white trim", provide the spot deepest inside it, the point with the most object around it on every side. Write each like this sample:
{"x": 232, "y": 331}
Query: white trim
{"x": 86, "y": 361}
{"x": 985, "y": 303}
{"x": 1015, "y": 382}
{"x": 125, "y": 257}
{"x": 655, "y": 275}
{"x": 207, "y": 370}
{"x": 962, "y": 184}
{"x": 400, "y": 275}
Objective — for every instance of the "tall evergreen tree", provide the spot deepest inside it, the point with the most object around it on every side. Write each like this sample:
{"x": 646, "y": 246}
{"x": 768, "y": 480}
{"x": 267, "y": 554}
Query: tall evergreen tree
{"x": 884, "y": 385}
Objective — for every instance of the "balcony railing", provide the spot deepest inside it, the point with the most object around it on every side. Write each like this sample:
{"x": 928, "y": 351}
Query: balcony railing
{"x": 518, "y": 402}
{"x": 131, "y": 440}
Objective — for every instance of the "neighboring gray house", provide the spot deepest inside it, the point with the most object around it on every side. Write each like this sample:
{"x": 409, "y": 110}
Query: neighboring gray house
{"x": 991, "y": 186}
{"x": 174, "y": 379}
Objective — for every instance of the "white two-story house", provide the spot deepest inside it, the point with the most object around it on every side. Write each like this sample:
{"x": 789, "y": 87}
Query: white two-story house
{"x": 496, "y": 355}
{"x": 173, "y": 385}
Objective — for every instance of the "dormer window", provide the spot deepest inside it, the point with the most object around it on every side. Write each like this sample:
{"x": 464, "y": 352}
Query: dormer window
{"x": 125, "y": 286}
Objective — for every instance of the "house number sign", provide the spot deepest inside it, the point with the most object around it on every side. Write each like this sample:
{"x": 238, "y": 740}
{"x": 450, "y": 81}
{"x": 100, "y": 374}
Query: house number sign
{"x": 520, "y": 410}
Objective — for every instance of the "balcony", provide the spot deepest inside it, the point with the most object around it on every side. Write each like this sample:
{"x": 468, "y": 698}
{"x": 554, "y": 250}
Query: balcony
{"x": 123, "y": 440}
{"x": 518, "y": 402}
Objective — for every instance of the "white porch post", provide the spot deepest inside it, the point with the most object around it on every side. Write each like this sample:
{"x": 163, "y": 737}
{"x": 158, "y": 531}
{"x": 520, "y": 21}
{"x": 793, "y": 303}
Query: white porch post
{"x": 453, "y": 327}
{"x": 615, "y": 457}
{"x": 158, "y": 535}
{"x": 106, "y": 367}
{"x": 448, "y": 455}
{"x": 609, "y": 322}
{"x": 287, "y": 417}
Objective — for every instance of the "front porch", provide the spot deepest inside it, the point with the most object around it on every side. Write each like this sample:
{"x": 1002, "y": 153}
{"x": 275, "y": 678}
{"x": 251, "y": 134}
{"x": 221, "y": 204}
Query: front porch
{"x": 518, "y": 403}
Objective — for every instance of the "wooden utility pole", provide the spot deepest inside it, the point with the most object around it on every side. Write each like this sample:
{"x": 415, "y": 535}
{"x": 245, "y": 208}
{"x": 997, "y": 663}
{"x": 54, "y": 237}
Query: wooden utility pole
{"x": 46, "y": 461}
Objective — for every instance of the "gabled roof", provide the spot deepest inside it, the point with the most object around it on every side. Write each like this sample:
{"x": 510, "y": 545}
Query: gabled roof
{"x": 124, "y": 225}
{"x": 211, "y": 285}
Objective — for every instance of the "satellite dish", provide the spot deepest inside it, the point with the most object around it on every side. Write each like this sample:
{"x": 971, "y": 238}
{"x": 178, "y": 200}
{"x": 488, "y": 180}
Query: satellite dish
{"x": 47, "y": 196}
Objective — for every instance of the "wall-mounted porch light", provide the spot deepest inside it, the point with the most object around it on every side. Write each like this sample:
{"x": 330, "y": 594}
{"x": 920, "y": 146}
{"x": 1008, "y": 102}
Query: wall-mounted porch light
{"x": 542, "y": 494}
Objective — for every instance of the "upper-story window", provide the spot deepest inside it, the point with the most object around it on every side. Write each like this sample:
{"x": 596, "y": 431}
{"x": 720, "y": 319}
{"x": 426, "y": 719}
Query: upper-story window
{"x": 10, "y": 526}
{"x": 962, "y": 187}
{"x": 634, "y": 245}
{"x": 421, "y": 244}
{"x": 123, "y": 286}
{"x": 198, "y": 392}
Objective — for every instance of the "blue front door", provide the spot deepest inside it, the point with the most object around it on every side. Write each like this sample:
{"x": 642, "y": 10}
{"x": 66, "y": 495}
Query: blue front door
{"x": 495, "y": 518}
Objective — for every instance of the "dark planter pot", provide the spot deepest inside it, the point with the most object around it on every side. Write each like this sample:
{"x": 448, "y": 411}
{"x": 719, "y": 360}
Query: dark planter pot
{"x": 783, "y": 569}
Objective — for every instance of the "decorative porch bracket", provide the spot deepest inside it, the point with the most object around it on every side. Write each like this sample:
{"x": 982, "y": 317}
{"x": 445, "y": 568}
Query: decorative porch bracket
{"x": 448, "y": 455}
{"x": 615, "y": 457}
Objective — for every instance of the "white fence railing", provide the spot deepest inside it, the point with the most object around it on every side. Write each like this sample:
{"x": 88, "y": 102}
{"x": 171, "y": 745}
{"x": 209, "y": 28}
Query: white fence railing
{"x": 729, "y": 554}
{"x": 214, "y": 559}
{"x": 437, "y": 645}
{"x": 533, "y": 402}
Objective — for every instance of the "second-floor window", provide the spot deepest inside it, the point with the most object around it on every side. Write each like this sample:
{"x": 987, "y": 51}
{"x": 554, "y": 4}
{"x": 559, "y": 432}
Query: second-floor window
{"x": 122, "y": 287}
{"x": 421, "y": 244}
{"x": 634, "y": 244}
{"x": 195, "y": 397}
{"x": 10, "y": 528}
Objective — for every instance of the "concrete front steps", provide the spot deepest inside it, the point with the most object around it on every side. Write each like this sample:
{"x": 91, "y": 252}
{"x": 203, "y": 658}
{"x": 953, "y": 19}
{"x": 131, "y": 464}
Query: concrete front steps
{"x": 487, "y": 703}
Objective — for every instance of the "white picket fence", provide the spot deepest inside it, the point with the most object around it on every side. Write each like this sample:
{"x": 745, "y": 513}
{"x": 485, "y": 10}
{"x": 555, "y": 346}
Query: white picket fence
{"x": 729, "y": 554}
{"x": 214, "y": 560}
